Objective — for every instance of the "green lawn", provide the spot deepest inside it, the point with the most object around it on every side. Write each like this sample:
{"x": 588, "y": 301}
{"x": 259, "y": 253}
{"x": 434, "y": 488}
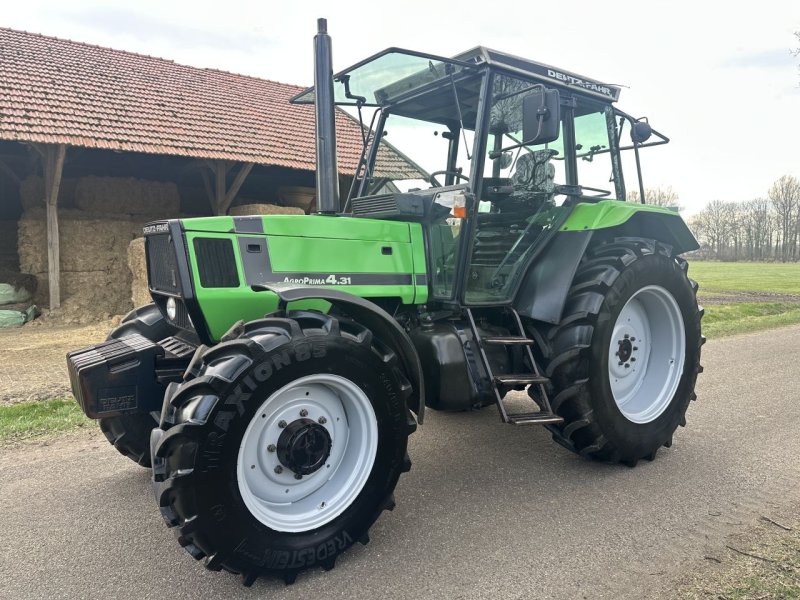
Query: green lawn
{"x": 746, "y": 277}
{"x": 32, "y": 419}
{"x": 730, "y": 312}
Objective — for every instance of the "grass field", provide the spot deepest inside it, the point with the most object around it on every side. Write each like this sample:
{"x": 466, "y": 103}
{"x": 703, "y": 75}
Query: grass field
{"x": 747, "y": 277}
{"x": 32, "y": 419}
{"x": 744, "y": 297}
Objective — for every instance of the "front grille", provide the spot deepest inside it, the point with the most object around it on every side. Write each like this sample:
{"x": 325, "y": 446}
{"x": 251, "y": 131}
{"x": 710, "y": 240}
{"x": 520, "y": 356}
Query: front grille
{"x": 216, "y": 263}
{"x": 162, "y": 264}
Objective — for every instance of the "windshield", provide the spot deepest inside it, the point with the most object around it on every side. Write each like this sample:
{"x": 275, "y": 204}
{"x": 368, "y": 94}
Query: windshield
{"x": 381, "y": 79}
{"x": 433, "y": 134}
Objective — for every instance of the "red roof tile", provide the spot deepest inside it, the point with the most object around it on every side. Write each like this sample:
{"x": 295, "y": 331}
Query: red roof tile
{"x": 59, "y": 91}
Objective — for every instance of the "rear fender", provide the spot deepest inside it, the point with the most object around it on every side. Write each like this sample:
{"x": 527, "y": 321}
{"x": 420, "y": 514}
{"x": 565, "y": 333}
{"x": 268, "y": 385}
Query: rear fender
{"x": 544, "y": 289}
{"x": 371, "y": 316}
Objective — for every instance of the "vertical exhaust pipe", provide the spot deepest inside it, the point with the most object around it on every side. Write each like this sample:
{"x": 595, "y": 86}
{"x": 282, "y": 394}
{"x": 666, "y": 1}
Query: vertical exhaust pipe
{"x": 327, "y": 172}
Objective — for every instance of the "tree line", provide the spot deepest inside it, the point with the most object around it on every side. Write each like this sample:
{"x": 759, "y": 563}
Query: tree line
{"x": 762, "y": 229}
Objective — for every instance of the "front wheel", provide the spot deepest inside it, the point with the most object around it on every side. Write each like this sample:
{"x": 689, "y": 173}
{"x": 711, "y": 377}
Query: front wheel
{"x": 130, "y": 433}
{"x": 284, "y": 446}
{"x": 626, "y": 355}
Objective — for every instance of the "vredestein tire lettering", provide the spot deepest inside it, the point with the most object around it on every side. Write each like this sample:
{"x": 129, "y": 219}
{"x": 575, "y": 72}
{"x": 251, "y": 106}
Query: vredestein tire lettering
{"x": 196, "y": 457}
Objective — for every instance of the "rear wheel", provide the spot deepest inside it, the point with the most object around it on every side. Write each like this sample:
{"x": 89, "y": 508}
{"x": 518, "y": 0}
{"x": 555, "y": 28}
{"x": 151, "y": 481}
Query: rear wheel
{"x": 626, "y": 355}
{"x": 283, "y": 446}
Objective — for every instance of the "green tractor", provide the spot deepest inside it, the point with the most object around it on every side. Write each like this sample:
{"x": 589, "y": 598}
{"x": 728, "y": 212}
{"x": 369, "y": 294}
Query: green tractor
{"x": 484, "y": 249}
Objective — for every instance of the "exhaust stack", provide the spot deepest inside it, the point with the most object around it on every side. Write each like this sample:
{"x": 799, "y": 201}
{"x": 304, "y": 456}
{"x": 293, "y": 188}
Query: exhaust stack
{"x": 327, "y": 172}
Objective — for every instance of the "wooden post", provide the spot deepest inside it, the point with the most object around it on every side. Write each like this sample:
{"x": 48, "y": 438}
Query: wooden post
{"x": 53, "y": 159}
{"x": 221, "y": 196}
{"x": 230, "y": 196}
{"x": 220, "y": 172}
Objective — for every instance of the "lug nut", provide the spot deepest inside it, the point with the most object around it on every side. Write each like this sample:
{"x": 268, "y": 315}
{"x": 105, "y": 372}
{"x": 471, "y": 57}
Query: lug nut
{"x": 633, "y": 339}
{"x": 282, "y": 424}
{"x": 633, "y": 358}
{"x": 298, "y": 476}
{"x": 627, "y": 336}
{"x": 627, "y": 366}
{"x": 271, "y": 448}
{"x": 621, "y": 363}
{"x": 636, "y": 347}
{"x": 304, "y": 413}
{"x": 322, "y": 420}
{"x": 279, "y": 469}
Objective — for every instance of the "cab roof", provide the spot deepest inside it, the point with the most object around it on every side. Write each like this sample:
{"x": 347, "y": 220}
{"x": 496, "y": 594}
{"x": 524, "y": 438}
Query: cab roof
{"x": 376, "y": 80}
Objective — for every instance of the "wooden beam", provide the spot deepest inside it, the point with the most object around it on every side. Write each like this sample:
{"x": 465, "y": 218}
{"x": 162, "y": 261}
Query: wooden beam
{"x": 207, "y": 186}
{"x": 230, "y": 196}
{"x": 220, "y": 173}
{"x": 10, "y": 172}
{"x": 53, "y": 158}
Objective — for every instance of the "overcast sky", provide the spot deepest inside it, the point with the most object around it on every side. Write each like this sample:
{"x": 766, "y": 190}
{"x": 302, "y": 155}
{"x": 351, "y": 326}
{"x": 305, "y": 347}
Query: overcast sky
{"x": 717, "y": 77}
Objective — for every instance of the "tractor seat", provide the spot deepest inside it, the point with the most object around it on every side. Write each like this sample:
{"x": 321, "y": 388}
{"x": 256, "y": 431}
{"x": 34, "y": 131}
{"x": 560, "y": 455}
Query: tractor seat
{"x": 534, "y": 178}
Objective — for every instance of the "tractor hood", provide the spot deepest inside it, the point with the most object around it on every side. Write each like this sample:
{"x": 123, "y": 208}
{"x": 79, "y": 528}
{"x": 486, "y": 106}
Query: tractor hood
{"x": 306, "y": 226}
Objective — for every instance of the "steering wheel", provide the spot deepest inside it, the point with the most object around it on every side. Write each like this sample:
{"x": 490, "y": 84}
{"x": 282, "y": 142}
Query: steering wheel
{"x": 457, "y": 174}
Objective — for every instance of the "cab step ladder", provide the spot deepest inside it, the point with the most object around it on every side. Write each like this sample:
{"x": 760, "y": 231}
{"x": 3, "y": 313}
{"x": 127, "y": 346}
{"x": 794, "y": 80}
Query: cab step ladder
{"x": 545, "y": 415}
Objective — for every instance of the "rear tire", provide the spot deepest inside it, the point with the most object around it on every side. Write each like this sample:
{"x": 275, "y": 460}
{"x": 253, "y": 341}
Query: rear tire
{"x": 615, "y": 408}
{"x": 130, "y": 433}
{"x": 226, "y": 457}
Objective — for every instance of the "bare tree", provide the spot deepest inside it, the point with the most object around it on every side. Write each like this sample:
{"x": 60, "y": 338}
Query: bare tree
{"x": 658, "y": 196}
{"x": 711, "y": 225}
{"x": 785, "y": 197}
{"x": 757, "y": 229}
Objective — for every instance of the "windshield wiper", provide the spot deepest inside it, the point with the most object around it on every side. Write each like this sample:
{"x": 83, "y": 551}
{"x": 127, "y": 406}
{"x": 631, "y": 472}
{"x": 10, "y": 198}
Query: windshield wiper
{"x": 458, "y": 111}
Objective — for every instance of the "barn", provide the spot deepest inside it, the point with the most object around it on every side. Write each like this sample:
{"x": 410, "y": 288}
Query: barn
{"x": 96, "y": 142}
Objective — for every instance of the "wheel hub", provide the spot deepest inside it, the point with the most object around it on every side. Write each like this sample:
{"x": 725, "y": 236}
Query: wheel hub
{"x": 625, "y": 349}
{"x": 304, "y": 446}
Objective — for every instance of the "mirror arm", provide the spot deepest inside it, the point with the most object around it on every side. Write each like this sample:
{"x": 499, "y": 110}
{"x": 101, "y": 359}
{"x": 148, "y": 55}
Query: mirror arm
{"x": 639, "y": 171}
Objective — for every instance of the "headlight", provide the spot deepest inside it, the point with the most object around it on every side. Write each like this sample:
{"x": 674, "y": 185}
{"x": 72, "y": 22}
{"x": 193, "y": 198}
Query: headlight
{"x": 172, "y": 309}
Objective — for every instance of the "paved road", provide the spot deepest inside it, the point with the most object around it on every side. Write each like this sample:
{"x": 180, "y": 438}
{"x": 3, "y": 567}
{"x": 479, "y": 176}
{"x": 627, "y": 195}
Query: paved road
{"x": 488, "y": 511}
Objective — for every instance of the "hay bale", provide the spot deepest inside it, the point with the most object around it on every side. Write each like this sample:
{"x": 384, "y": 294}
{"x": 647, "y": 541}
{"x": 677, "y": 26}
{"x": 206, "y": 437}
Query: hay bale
{"x": 137, "y": 264}
{"x": 31, "y": 193}
{"x": 90, "y": 295}
{"x": 88, "y": 242}
{"x": 9, "y": 259}
{"x": 300, "y": 197}
{"x": 244, "y": 210}
{"x": 127, "y": 195}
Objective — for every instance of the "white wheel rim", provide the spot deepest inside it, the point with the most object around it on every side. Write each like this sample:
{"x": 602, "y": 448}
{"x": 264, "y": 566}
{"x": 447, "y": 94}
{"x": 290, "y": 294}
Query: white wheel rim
{"x": 646, "y": 354}
{"x": 278, "y": 499}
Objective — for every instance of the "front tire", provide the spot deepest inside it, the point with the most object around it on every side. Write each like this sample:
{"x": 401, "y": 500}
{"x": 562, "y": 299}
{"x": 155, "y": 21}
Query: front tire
{"x": 625, "y": 358}
{"x": 130, "y": 433}
{"x": 283, "y": 446}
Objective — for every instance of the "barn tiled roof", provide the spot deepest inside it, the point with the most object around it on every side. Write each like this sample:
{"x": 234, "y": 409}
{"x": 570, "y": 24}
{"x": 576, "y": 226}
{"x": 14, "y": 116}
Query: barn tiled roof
{"x": 63, "y": 92}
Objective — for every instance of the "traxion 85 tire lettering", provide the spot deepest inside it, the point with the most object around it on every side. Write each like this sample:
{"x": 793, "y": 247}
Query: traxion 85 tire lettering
{"x": 282, "y": 446}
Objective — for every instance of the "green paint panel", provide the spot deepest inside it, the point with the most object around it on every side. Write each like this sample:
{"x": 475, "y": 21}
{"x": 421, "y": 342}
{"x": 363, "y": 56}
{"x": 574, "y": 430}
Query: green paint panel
{"x": 608, "y": 213}
{"x": 341, "y": 228}
{"x": 317, "y": 246}
{"x": 339, "y": 255}
{"x": 420, "y": 263}
{"x": 655, "y": 222}
{"x": 210, "y": 224}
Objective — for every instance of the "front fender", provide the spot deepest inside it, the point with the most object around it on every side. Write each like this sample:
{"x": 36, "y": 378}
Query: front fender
{"x": 368, "y": 314}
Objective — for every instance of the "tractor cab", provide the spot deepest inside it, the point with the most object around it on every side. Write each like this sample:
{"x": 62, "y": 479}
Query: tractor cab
{"x": 503, "y": 148}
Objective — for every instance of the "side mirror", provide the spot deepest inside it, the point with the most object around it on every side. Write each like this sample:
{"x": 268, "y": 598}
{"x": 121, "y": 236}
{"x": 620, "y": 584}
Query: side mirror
{"x": 641, "y": 132}
{"x": 541, "y": 116}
